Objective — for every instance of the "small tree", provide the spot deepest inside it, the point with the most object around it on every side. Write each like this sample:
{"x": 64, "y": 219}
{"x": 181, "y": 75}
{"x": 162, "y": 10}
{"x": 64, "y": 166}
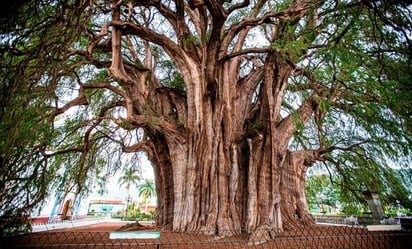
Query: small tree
{"x": 129, "y": 178}
{"x": 147, "y": 191}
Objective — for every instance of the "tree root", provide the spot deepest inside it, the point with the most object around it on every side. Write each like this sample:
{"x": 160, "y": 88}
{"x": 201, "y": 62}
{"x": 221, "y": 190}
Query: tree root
{"x": 262, "y": 235}
{"x": 134, "y": 227}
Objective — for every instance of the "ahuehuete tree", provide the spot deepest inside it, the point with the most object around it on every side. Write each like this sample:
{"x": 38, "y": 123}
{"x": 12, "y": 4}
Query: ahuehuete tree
{"x": 231, "y": 100}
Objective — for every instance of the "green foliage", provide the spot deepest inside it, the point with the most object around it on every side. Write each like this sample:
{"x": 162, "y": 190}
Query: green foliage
{"x": 320, "y": 190}
{"x": 293, "y": 47}
{"x": 34, "y": 38}
{"x": 135, "y": 214}
{"x": 396, "y": 211}
{"x": 351, "y": 209}
{"x": 191, "y": 40}
{"x": 130, "y": 177}
{"x": 299, "y": 125}
{"x": 172, "y": 78}
{"x": 147, "y": 189}
{"x": 176, "y": 82}
{"x": 368, "y": 125}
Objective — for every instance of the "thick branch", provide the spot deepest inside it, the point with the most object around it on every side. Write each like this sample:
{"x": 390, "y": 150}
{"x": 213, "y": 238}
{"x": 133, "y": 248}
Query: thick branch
{"x": 96, "y": 40}
{"x": 287, "y": 125}
{"x": 117, "y": 68}
{"x": 216, "y": 10}
{"x": 245, "y": 51}
{"x": 141, "y": 146}
{"x": 236, "y": 6}
{"x": 177, "y": 21}
{"x": 148, "y": 34}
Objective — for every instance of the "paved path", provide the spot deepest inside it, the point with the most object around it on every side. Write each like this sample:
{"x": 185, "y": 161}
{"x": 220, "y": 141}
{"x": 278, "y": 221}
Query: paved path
{"x": 73, "y": 223}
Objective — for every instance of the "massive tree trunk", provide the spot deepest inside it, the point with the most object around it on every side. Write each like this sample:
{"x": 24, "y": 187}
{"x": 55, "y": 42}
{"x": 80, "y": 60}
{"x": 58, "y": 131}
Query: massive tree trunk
{"x": 227, "y": 174}
{"x": 220, "y": 149}
{"x": 243, "y": 195}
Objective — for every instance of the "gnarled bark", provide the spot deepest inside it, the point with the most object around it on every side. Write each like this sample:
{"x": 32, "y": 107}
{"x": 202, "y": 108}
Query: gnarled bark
{"x": 220, "y": 158}
{"x": 295, "y": 210}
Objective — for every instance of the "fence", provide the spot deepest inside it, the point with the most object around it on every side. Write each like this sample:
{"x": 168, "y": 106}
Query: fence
{"x": 312, "y": 237}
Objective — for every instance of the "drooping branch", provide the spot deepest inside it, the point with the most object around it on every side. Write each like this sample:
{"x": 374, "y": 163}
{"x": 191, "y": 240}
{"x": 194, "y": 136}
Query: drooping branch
{"x": 95, "y": 122}
{"x": 288, "y": 15}
{"x": 66, "y": 151}
{"x": 82, "y": 100}
{"x": 322, "y": 151}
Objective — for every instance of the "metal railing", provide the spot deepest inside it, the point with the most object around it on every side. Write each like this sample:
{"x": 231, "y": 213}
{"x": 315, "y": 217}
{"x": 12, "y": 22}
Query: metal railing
{"x": 310, "y": 237}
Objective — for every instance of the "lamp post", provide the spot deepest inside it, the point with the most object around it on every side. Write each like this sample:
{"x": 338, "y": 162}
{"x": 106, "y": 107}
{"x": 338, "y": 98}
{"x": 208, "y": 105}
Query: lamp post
{"x": 128, "y": 199}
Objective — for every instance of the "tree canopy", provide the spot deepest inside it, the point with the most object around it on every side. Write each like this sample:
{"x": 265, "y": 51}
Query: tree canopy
{"x": 218, "y": 93}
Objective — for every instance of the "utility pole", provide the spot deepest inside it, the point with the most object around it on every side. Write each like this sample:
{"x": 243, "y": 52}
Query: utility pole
{"x": 128, "y": 199}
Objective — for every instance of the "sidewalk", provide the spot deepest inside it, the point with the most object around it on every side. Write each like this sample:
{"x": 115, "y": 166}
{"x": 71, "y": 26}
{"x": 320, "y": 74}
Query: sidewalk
{"x": 72, "y": 223}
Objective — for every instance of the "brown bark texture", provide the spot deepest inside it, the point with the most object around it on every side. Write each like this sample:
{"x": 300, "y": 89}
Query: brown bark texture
{"x": 219, "y": 146}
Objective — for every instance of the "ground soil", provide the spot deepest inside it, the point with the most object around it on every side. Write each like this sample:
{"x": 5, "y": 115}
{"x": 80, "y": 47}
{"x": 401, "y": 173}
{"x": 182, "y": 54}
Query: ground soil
{"x": 320, "y": 236}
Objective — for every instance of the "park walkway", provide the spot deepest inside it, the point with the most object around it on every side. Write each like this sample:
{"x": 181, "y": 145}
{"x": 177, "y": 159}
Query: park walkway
{"x": 74, "y": 223}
